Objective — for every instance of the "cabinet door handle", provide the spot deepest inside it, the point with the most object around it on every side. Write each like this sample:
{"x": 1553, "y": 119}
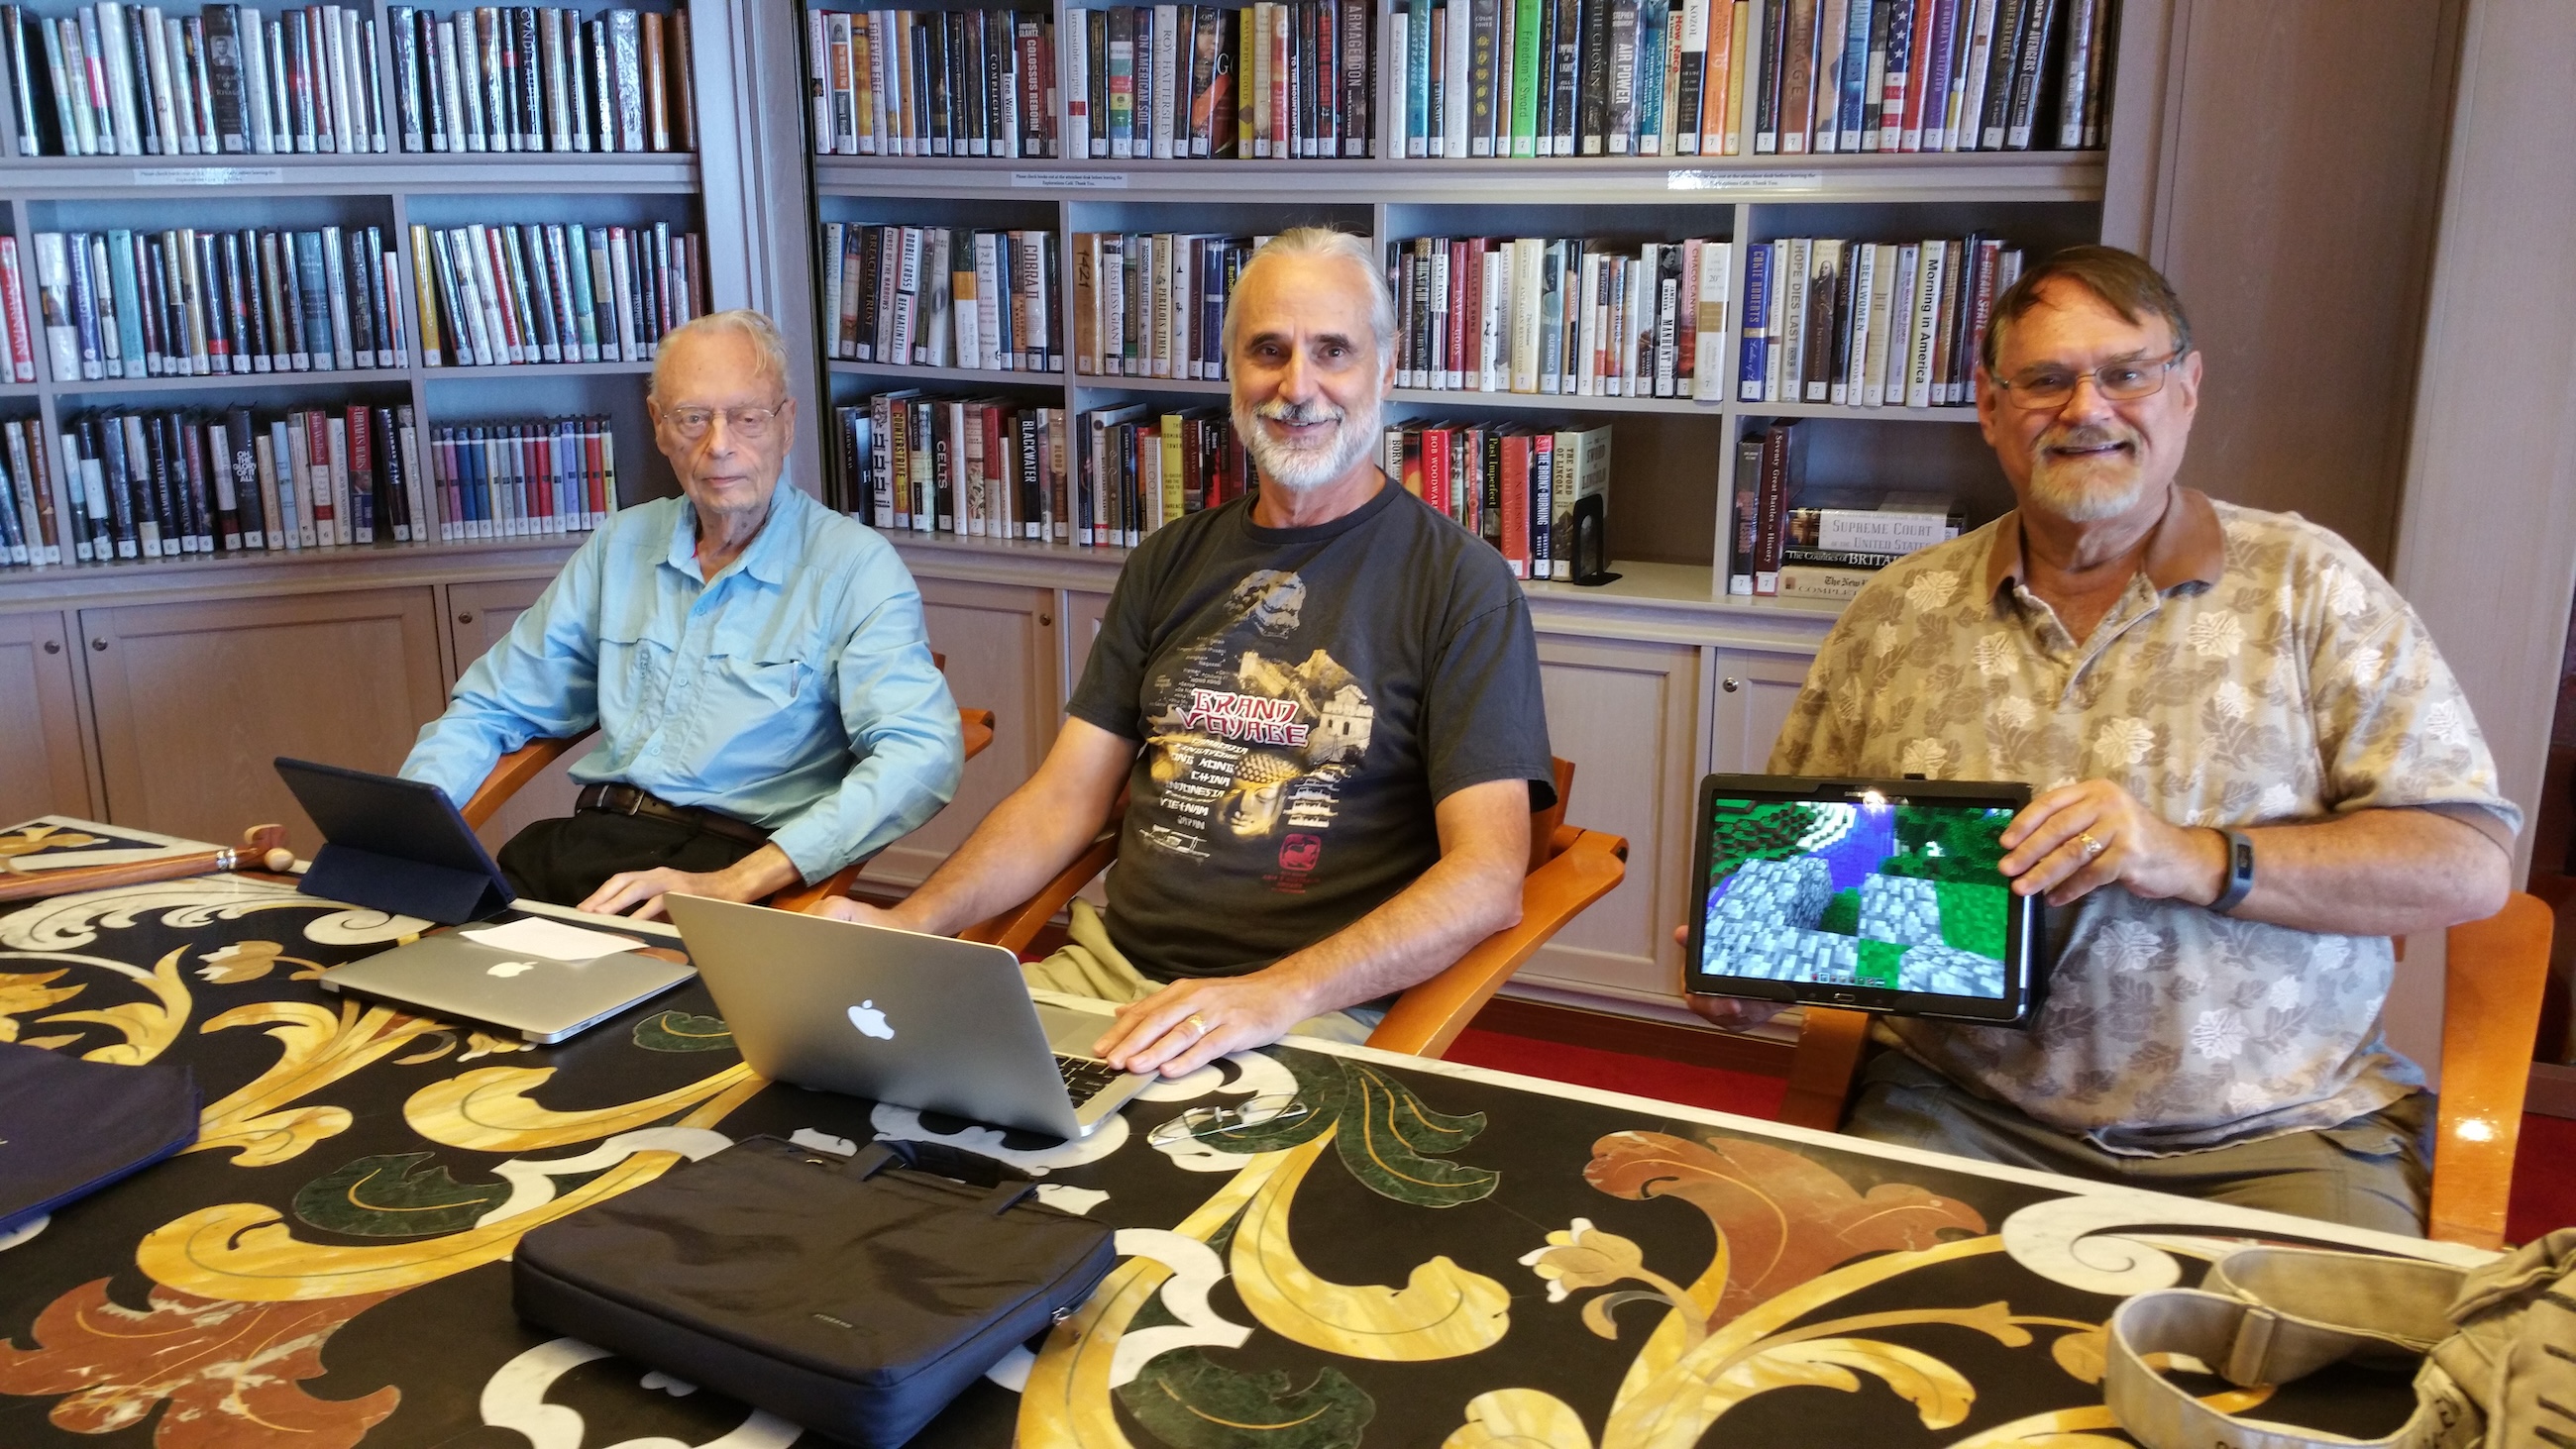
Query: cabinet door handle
{"x": 99, "y": 644}
{"x": 1730, "y": 684}
{"x": 53, "y": 646}
{"x": 1045, "y": 619}
{"x": 465, "y": 618}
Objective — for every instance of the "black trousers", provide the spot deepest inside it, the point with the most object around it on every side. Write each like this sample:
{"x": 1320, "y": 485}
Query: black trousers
{"x": 563, "y": 861}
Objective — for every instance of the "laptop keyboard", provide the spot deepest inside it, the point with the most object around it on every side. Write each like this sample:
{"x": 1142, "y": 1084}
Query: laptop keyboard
{"x": 1085, "y": 1077}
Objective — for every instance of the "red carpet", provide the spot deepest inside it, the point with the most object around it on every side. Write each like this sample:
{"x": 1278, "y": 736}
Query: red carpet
{"x": 2544, "y": 1181}
{"x": 1748, "y": 1093}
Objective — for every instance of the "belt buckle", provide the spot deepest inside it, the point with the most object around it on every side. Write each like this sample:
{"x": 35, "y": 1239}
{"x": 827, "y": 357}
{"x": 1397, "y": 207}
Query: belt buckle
{"x": 634, "y": 801}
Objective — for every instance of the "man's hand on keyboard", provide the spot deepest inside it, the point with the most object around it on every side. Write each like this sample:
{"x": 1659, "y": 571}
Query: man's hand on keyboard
{"x": 1188, "y": 1024}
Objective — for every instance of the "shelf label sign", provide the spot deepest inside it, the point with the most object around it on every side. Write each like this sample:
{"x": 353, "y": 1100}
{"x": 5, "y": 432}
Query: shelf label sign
{"x": 1744, "y": 181}
{"x": 1070, "y": 180}
{"x": 208, "y": 175}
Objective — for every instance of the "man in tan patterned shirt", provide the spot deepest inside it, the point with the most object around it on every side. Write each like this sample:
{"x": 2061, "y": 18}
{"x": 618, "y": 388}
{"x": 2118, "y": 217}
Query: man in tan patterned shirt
{"x": 2164, "y": 669}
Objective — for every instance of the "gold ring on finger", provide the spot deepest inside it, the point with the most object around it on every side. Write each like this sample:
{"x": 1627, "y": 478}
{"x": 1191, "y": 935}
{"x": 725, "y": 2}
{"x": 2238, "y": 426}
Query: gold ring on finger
{"x": 2092, "y": 847}
{"x": 1197, "y": 1024}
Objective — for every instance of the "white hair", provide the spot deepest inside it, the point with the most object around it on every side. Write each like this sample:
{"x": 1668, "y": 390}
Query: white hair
{"x": 1324, "y": 242}
{"x": 739, "y": 322}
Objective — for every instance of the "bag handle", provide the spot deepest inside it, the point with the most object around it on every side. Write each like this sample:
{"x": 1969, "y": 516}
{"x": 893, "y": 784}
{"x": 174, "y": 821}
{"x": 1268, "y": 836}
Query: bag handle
{"x": 1007, "y": 1184}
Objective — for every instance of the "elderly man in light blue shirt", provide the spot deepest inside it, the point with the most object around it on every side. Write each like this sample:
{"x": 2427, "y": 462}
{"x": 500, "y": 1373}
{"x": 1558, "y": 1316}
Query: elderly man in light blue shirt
{"x": 767, "y": 705}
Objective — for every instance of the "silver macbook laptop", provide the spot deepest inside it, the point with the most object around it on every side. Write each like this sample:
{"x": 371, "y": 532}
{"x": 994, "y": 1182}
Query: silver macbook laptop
{"x": 921, "y": 1021}
{"x": 540, "y": 978}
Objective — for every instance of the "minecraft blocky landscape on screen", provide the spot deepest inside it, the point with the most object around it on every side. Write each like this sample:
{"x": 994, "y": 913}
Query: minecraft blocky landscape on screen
{"x": 1901, "y": 897}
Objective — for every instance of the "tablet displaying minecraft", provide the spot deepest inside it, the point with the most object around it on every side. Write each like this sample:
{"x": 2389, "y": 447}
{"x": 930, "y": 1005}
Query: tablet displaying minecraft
{"x": 1878, "y": 895}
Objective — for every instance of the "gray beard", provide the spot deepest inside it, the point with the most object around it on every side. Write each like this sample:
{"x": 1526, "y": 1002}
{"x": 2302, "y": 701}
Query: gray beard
{"x": 2068, "y": 498}
{"x": 1303, "y": 470}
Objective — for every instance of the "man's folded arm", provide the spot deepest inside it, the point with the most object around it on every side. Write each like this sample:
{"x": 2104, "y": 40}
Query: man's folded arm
{"x": 903, "y": 728}
{"x": 540, "y": 682}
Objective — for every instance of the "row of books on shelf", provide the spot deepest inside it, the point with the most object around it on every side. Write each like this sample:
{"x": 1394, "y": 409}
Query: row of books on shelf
{"x": 1528, "y": 78}
{"x": 165, "y": 484}
{"x": 1152, "y": 304}
{"x": 543, "y": 79}
{"x": 987, "y": 468}
{"x": 172, "y": 484}
{"x": 916, "y": 462}
{"x": 1869, "y": 324}
{"x": 119, "y": 79}
{"x": 1266, "y": 81}
{"x": 1816, "y": 545}
{"x": 502, "y": 295}
{"x": 970, "y": 82}
{"x": 1515, "y": 485}
{"x": 936, "y": 296}
{"x": 1571, "y": 316}
{"x": 133, "y": 304}
{"x": 179, "y": 303}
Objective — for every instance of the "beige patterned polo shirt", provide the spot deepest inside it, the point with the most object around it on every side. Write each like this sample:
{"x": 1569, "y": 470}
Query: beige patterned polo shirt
{"x": 2257, "y": 671}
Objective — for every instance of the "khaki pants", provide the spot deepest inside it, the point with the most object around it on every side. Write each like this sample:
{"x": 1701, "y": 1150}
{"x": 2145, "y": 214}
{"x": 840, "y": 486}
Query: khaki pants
{"x": 2369, "y": 1172}
{"x": 1090, "y": 966}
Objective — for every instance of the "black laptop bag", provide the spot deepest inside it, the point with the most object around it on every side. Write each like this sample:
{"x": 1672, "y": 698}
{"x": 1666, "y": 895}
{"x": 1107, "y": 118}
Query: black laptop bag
{"x": 854, "y": 1296}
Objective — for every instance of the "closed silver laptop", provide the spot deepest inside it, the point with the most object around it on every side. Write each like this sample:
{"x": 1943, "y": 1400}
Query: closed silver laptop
{"x": 893, "y": 1016}
{"x": 540, "y": 998}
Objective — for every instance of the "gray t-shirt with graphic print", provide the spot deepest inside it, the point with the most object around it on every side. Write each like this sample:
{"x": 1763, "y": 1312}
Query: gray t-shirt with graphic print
{"x": 1304, "y": 698}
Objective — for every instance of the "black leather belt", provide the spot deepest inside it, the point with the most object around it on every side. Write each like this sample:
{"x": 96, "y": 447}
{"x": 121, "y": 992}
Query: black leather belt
{"x": 618, "y": 799}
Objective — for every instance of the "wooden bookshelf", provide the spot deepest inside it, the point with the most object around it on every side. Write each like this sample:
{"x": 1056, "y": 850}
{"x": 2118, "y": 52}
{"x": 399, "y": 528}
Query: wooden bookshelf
{"x": 365, "y": 623}
{"x": 1652, "y": 679}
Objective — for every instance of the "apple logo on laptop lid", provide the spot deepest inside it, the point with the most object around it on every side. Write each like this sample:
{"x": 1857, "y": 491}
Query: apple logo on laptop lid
{"x": 870, "y": 1021}
{"x": 507, "y": 969}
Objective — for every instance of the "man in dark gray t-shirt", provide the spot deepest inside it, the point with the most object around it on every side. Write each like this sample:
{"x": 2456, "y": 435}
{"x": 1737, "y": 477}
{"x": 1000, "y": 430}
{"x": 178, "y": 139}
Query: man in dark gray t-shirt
{"x": 1322, "y": 702}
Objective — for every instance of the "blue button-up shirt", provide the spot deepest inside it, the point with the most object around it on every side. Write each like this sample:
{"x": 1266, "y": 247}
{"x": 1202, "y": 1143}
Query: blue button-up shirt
{"x": 795, "y": 689}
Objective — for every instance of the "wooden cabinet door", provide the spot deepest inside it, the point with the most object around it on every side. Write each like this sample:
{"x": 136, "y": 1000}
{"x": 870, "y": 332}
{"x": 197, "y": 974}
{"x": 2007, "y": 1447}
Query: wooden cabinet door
{"x": 1003, "y": 655}
{"x": 195, "y": 700}
{"x": 478, "y": 614}
{"x": 41, "y": 771}
{"x": 1083, "y": 611}
{"x": 1750, "y": 693}
{"x": 1626, "y": 714}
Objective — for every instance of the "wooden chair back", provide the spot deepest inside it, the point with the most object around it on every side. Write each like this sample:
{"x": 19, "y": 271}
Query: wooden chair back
{"x": 2495, "y": 972}
{"x": 1569, "y": 869}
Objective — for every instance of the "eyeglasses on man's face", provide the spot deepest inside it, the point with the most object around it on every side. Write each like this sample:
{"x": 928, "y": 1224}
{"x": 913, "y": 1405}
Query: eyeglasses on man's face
{"x": 2045, "y": 389}
{"x": 751, "y": 425}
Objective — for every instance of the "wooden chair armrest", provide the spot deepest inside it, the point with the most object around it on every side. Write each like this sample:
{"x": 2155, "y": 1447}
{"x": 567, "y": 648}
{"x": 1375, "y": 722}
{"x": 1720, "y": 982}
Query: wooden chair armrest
{"x": 1830, "y": 1048}
{"x": 516, "y": 769}
{"x": 977, "y": 725}
{"x": 2494, "y": 972}
{"x": 803, "y": 897}
{"x": 1429, "y": 1015}
{"x": 1015, "y": 928}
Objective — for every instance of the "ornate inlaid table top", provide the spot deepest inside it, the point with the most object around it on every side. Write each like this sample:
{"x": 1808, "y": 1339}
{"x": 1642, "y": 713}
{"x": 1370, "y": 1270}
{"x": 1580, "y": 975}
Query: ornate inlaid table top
{"x": 1433, "y": 1255}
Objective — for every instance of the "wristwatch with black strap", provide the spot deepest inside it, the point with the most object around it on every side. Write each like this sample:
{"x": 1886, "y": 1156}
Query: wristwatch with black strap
{"x": 2240, "y": 872}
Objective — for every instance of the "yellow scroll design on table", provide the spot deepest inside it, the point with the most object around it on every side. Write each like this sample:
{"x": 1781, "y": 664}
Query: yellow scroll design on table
{"x": 147, "y": 1026}
{"x": 1442, "y": 1311}
{"x": 489, "y": 1110}
{"x": 243, "y": 1251}
{"x": 1066, "y": 1402}
{"x": 316, "y": 1047}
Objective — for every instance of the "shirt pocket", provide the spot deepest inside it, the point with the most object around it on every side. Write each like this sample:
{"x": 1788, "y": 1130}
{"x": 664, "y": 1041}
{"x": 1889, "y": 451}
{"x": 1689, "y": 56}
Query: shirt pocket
{"x": 763, "y": 714}
{"x": 634, "y": 678}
